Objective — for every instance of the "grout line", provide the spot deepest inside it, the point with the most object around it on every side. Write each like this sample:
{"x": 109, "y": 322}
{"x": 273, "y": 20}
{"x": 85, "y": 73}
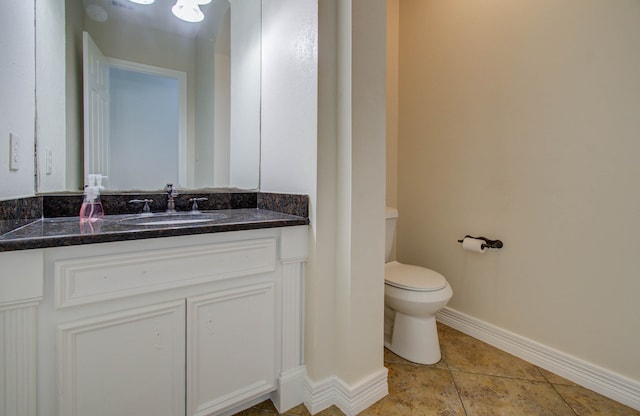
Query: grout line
{"x": 501, "y": 376}
{"x": 557, "y": 392}
{"x": 455, "y": 385}
{"x": 563, "y": 399}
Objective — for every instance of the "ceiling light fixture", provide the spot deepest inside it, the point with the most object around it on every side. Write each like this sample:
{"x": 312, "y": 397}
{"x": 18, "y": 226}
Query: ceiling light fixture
{"x": 189, "y": 10}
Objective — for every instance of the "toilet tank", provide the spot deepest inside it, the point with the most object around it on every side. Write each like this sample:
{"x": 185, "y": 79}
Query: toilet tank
{"x": 390, "y": 231}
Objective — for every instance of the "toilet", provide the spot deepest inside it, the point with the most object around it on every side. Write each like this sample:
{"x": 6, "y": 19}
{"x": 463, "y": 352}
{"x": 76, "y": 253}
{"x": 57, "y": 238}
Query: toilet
{"x": 412, "y": 297}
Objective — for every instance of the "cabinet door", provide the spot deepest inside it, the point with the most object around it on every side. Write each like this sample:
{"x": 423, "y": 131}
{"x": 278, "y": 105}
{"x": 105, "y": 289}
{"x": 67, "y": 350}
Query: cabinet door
{"x": 230, "y": 347}
{"x": 128, "y": 363}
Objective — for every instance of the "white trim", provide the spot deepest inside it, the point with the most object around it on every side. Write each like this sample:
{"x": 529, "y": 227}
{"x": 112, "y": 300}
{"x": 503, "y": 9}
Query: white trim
{"x": 18, "y": 360}
{"x": 290, "y": 389}
{"x": 181, "y": 76}
{"x": 24, "y": 303}
{"x": 351, "y": 400}
{"x": 615, "y": 386}
{"x": 319, "y": 395}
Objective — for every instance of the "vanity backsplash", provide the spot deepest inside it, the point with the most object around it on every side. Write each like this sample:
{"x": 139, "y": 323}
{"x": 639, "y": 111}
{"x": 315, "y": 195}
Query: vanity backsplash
{"x": 64, "y": 205}
{"x": 24, "y": 210}
{"x": 15, "y": 213}
{"x": 18, "y": 213}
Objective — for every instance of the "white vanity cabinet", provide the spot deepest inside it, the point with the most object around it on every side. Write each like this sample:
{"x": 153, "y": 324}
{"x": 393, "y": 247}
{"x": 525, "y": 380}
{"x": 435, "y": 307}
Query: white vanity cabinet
{"x": 193, "y": 325}
{"x": 138, "y": 356}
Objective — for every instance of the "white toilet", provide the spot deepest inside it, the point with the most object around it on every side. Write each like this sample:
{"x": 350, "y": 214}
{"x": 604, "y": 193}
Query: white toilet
{"x": 412, "y": 297}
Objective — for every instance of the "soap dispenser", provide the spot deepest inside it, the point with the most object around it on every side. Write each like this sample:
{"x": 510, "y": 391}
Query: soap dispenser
{"x": 91, "y": 209}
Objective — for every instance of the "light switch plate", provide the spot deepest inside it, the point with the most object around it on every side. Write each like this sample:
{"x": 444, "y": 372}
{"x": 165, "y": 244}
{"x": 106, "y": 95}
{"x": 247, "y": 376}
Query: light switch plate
{"x": 48, "y": 161}
{"x": 14, "y": 152}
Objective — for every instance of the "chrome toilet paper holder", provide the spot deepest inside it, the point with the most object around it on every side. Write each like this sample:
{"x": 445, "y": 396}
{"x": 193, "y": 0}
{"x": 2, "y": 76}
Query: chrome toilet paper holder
{"x": 487, "y": 243}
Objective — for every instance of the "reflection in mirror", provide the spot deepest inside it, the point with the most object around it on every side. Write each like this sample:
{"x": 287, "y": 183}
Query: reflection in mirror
{"x": 163, "y": 100}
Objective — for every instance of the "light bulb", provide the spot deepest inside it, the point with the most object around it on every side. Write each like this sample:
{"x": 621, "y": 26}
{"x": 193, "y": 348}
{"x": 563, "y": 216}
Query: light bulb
{"x": 188, "y": 10}
{"x": 142, "y": 1}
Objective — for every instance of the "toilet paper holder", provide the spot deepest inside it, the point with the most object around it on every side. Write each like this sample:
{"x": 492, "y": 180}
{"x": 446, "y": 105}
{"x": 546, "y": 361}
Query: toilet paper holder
{"x": 487, "y": 243}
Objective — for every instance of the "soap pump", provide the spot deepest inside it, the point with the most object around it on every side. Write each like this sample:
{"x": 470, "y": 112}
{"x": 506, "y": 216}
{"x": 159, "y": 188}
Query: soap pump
{"x": 91, "y": 209}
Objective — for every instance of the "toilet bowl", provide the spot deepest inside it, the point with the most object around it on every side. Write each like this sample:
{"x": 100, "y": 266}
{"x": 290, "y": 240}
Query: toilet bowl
{"x": 412, "y": 295}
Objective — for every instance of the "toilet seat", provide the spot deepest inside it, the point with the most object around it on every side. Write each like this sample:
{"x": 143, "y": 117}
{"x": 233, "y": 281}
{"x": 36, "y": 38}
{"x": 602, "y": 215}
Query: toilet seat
{"x": 416, "y": 278}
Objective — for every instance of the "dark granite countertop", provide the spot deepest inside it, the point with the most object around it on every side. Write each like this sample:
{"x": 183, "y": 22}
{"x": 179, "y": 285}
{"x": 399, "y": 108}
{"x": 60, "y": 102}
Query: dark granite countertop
{"x": 51, "y": 220}
{"x": 67, "y": 231}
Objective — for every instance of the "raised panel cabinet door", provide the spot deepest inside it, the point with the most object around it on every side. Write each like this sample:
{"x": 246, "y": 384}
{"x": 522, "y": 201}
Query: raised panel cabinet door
{"x": 230, "y": 347}
{"x": 126, "y": 363}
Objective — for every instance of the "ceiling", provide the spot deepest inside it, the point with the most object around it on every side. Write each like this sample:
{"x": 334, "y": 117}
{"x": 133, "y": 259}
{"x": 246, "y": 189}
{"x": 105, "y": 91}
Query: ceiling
{"x": 158, "y": 15}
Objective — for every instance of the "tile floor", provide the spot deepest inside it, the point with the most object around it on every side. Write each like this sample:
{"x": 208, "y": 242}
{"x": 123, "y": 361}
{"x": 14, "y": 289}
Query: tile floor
{"x": 473, "y": 379}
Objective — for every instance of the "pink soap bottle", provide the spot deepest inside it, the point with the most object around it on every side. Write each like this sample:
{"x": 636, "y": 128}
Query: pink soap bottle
{"x": 91, "y": 208}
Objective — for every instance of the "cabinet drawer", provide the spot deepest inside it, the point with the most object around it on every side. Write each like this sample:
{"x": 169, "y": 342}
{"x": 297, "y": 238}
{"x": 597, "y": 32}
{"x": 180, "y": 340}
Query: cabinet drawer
{"x": 100, "y": 278}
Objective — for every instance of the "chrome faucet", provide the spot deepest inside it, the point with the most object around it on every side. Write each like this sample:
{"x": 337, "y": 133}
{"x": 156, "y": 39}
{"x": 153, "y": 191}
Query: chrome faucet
{"x": 146, "y": 202}
{"x": 171, "y": 194}
{"x": 194, "y": 206}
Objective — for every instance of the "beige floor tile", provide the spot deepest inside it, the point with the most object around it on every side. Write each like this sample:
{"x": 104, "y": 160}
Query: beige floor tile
{"x": 298, "y": 411}
{"x": 556, "y": 379}
{"x": 266, "y": 405}
{"x": 392, "y": 358}
{"x": 302, "y": 411}
{"x": 465, "y": 353}
{"x": 332, "y": 411}
{"x": 418, "y": 390}
{"x": 490, "y": 396}
{"x": 256, "y": 412}
{"x": 486, "y": 380}
{"x": 587, "y": 403}
{"x": 265, "y": 408}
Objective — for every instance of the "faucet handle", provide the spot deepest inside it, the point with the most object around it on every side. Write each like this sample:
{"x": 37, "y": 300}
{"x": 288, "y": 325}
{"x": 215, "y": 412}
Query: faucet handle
{"x": 194, "y": 206}
{"x": 171, "y": 190}
{"x": 146, "y": 203}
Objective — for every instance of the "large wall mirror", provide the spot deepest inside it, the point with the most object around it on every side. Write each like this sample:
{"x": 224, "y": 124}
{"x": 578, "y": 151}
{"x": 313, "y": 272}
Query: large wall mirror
{"x": 151, "y": 99}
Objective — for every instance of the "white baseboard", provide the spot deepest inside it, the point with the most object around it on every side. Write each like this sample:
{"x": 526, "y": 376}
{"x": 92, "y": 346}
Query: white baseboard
{"x": 351, "y": 400}
{"x": 319, "y": 395}
{"x": 290, "y": 392}
{"x": 598, "y": 379}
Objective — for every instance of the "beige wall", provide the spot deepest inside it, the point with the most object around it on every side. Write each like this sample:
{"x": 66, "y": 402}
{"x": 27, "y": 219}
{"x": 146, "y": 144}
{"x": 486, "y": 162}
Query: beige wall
{"x": 360, "y": 196}
{"x": 520, "y": 120}
{"x": 72, "y": 111}
{"x": 326, "y": 126}
{"x": 393, "y": 31}
{"x": 17, "y": 101}
{"x": 393, "y": 22}
{"x": 50, "y": 93}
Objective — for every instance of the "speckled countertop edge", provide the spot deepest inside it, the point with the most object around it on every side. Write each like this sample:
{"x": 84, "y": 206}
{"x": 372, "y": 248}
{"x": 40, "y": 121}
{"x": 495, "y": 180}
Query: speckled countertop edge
{"x": 261, "y": 210}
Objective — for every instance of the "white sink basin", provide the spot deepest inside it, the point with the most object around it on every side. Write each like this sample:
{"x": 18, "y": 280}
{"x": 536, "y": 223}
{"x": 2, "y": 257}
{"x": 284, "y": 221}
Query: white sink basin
{"x": 172, "y": 222}
{"x": 173, "y": 219}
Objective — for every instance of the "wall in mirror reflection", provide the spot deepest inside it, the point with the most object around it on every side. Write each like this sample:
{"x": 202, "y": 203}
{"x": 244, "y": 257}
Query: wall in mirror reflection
{"x": 217, "y": 143}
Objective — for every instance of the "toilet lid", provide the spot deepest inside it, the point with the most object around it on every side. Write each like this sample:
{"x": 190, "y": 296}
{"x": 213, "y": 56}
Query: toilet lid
{"x": 405, "y": 276}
